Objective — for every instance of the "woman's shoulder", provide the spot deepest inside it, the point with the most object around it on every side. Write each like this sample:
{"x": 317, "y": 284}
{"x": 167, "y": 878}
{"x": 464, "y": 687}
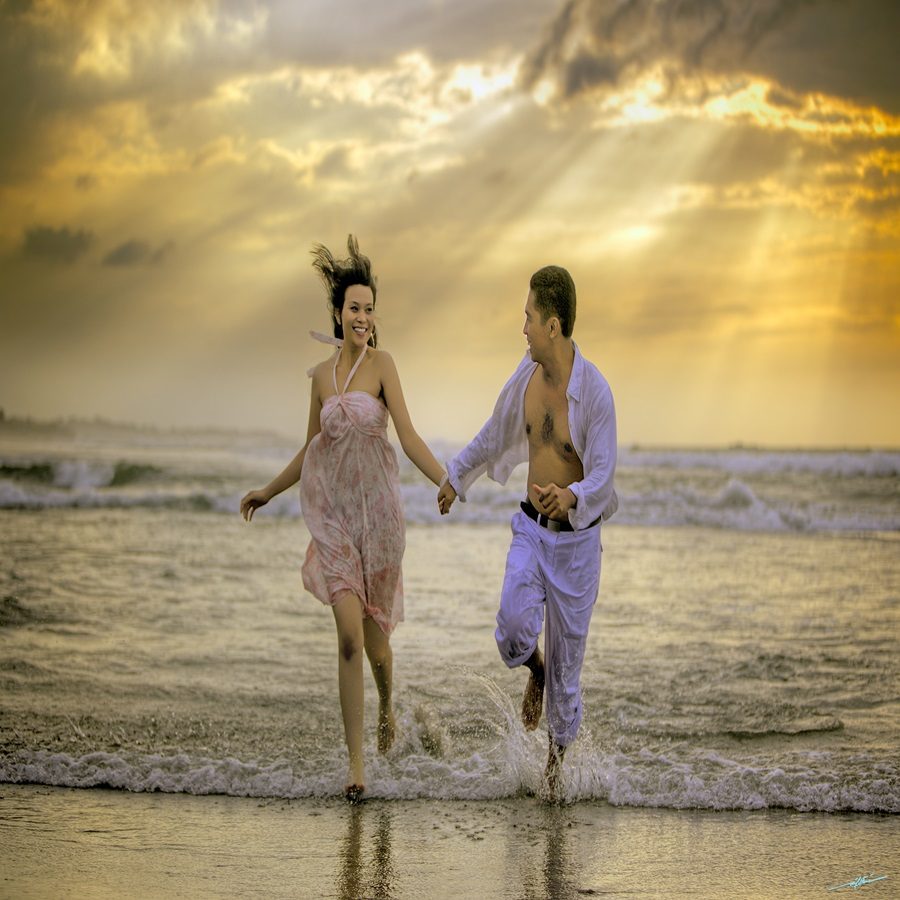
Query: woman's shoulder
{"x": 384, "y": 365}
{"x": 321, "y": 369}
{"x": 381, "y": 358}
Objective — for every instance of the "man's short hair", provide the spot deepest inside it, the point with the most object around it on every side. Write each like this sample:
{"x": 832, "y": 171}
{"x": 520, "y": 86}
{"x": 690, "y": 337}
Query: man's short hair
{"x": 554, "y": 295}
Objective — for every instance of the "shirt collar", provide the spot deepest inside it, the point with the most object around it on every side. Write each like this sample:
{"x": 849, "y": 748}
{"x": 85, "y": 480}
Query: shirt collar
{"x": 573, "y": 389}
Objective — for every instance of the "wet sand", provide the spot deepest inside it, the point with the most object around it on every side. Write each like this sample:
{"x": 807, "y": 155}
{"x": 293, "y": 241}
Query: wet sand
{"x": 60, "y": 842}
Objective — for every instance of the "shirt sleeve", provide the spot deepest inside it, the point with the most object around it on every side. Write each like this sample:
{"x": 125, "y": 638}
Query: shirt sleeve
{"x": 500, "y": 445}
{"x": 470, "y": 463}
{"x": 595, "y": 494}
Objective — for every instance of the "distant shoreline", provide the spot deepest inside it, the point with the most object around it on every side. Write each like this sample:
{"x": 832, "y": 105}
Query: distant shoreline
{"x": 69, "y": 425}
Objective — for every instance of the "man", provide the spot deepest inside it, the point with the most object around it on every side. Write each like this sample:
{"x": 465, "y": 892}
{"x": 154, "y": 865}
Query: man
{"x": 557, "y": 412}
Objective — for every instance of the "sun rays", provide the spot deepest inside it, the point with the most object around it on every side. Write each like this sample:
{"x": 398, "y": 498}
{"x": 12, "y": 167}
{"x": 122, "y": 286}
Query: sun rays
{"x": 733, "y": 231}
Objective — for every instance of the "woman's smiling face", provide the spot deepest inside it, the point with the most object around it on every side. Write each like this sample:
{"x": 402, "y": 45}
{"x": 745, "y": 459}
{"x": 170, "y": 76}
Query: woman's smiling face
{"x": 358, "y": 314}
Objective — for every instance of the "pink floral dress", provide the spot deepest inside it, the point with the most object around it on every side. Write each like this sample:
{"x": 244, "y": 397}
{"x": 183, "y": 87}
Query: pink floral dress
{"x": 350, "y": 495}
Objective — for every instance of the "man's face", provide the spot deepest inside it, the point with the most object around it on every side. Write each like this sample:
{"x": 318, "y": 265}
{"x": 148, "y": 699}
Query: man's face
{"x": 536, "y": 331}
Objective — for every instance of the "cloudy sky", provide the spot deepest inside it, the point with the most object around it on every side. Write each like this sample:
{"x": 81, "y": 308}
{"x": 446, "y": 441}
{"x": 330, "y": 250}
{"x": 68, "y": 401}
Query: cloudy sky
{"x": 721, "y": 177}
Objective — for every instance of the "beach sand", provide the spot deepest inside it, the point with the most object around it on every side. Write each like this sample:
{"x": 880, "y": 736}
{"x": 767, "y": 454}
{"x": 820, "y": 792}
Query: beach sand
{"x": 740, "y": 688}
{"x": 60, "y": 842}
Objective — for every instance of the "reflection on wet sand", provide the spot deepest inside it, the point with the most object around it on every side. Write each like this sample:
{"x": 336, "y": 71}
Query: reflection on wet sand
{"x": 366, "y": 875}
{"x": 559, "y": 875}
{"x": 543, "y": 862}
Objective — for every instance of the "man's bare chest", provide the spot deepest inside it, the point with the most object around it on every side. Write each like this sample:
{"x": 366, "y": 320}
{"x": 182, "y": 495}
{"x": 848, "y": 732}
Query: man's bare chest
{"x": 547, "y": 420}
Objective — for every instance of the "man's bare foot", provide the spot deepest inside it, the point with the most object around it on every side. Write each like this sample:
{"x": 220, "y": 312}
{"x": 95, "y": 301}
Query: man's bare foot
{"x": 386, "y": 728}
{"x": 551, "y": 787}
{"x": 533, "y": 701}
{"x": 430, "y": 733}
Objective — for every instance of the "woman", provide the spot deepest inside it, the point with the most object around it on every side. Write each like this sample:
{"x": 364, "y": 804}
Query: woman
{"x": 350, "y": 495}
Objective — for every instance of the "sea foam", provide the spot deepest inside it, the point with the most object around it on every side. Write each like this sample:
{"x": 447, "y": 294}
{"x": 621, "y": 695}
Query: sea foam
{"x": 707, "y": 780}
{"x": 780, "y": 491}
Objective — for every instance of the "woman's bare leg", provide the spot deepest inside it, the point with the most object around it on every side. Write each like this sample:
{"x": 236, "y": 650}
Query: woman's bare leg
{"x": 349, "y": 621}
{"x": 381, "y": 659}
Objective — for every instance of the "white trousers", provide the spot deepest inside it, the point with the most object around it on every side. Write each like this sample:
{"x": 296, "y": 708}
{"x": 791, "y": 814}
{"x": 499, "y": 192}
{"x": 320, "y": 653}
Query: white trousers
{"x": 559, "y": 572}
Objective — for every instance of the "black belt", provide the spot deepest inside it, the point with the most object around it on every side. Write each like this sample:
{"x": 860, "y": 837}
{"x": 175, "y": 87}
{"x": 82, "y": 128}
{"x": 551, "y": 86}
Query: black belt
{"x": 542, "y": 520}
{"x": 546, "y": 521}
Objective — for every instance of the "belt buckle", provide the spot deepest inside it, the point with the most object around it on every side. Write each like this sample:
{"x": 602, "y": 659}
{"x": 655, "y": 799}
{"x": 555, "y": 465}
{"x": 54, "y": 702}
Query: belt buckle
{"x": 551, "y": 524}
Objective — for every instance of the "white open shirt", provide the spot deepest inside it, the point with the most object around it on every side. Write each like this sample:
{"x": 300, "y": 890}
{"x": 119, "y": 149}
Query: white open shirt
{"x": 502, "y": 443}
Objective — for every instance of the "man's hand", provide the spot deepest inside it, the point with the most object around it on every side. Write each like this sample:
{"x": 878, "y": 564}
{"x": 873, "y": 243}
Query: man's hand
{"x": 554, "y": 501}
{"x": 445, "y": 498}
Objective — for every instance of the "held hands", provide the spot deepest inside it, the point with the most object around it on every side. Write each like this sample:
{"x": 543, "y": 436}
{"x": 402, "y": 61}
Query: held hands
{"x": 446, "y": 496}
{"x": 252, "y": 502}
{"x": 554, "y": 501}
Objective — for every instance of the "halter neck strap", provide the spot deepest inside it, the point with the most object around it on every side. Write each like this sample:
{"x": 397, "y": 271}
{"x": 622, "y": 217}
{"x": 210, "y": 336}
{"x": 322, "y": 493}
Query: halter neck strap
{"x": 336, "y": 342}
{"x": 323, "y": 339}
{"x": 326, "y": 338}
{"x": 337, "y": 356}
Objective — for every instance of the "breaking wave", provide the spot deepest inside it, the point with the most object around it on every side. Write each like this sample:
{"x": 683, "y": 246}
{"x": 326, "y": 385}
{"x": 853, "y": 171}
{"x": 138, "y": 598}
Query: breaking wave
{"x": 706, "y": 780}
{"x": 741, "y": 490}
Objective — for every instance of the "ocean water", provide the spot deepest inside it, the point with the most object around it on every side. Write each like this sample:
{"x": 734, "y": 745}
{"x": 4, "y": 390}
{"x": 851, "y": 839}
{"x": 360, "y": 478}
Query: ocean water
{"x": 744, "y": 652}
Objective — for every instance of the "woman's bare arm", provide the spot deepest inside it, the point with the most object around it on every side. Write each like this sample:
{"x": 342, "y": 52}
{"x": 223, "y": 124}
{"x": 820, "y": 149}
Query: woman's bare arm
{"x": 291, "y": 473}
{"x": 413, "y": 446}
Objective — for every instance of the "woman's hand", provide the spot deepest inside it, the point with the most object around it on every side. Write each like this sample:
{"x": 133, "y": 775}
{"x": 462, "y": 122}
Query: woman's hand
{"x": 446, "y": 496}
{"x": 252, "y": 502}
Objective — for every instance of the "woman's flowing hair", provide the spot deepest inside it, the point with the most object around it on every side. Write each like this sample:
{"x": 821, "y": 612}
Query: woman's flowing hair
{"x": 339, "y": 274}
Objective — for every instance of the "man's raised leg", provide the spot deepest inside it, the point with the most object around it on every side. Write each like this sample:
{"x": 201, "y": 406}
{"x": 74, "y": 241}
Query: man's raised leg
{"x": 533, "y": 701}
{"x": 551, "y": 788}
{"x": 521, "y": 615}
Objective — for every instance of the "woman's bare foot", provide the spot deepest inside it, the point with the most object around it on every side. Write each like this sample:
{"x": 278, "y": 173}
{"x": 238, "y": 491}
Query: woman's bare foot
{"x": 533, "y": 701}
{"x": 354, "y": 793}
{"x": 386, "y": 728}
{"x": 356, "y": 780}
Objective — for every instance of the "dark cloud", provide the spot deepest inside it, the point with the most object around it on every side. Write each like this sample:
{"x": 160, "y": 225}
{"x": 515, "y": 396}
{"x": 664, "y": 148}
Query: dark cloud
{"x": 362, "y": 33}
{"x": 612, "y": 39}
{"x": 162, "y": 252}
{"x": 586, "y": 71}
{"x": 785, "y": 99}
{"x": 128, "y": 254}
{"x": 845, "y": 49}
{"x": 883, "y": 208}
{"x": 333, "y": 165}
{"x": 45, "y": 91}
{"x": 805, "y": 45}
{"x": 34, "y": 88}
{"x": 15, "y": 8}
{"x": 134, "y": 253}
{"x": 62, "y": 245}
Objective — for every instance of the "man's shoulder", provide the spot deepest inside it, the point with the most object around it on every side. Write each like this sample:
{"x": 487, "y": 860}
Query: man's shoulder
{"x": 593, "y": 379}
{"x": 525, "y": 363}
{"x": 521, "y": 373}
